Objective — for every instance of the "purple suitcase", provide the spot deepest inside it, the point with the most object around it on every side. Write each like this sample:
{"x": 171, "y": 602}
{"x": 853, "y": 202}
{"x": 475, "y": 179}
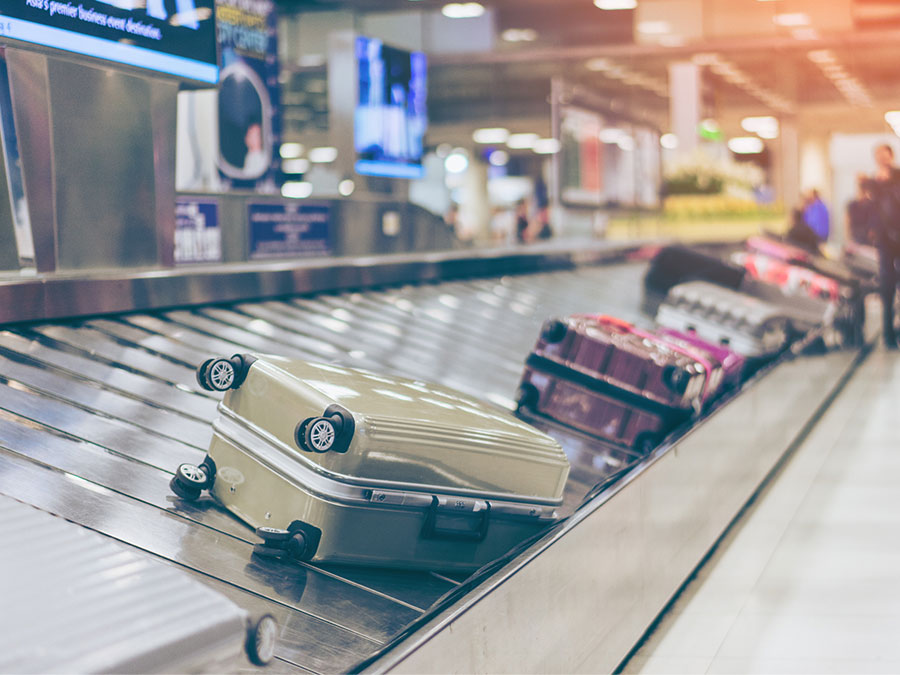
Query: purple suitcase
{"x": 731, "y": 362}
{"x": 607, "y": 378}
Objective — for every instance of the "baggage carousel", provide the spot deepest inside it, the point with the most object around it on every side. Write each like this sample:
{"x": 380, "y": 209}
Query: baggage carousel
{"x": 96, "y": 413}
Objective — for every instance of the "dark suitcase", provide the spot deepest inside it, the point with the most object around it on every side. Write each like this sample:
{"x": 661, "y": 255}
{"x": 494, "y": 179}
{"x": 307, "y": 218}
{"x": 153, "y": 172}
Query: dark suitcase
{"x": 606, "y": 378}
{"x": 678, "y": 264}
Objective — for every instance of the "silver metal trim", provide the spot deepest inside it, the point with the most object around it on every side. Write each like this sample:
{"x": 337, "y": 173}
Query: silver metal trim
{"x": 60, "y": 295}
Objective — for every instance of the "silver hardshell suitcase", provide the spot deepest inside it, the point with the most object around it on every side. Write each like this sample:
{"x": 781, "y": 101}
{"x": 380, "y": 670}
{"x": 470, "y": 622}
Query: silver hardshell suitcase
{"x": 748, "y": 325}
{"x": 74, "y": 601}
{"x": 341, "y": 465}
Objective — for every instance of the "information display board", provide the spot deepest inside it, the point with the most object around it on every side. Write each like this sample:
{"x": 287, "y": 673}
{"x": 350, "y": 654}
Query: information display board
{"x": 176, "y": 37}
{"x": 288, "y": 230}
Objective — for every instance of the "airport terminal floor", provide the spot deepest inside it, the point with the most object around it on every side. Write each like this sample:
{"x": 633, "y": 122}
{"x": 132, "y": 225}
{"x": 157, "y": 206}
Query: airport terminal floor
{"x": 806, "y": 581}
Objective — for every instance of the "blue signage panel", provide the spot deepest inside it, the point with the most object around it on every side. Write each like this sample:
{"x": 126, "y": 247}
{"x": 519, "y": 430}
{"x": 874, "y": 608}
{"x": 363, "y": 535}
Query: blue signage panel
{"x": 198, "y": 237}
{"x": 169, "y": 36}
{"x": 289, "y": 230}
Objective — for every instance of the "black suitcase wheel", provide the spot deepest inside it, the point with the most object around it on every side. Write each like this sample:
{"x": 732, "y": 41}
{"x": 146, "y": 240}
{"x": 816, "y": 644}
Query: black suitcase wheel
{"x": 320, "y": 434}
{"x": 262, "y": 636}
{"x": 201, "y": 372}
{"x": 526, "y": 396}
{"x": 676, "y": 379}
{"x": 554, "y": 330}
{"x": 646, "y": 443}
{"x": 219, "y": 375}
{"x": 189, "y": 481}
{"x": 272, "y": 535}
{"x": 298, "y": 547}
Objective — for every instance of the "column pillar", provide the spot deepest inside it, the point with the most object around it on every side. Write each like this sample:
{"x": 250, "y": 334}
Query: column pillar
{"x": 685, "y": 103}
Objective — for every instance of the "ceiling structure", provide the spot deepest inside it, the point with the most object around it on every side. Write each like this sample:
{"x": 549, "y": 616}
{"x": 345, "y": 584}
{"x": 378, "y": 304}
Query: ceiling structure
{"x": 833, "y": 65}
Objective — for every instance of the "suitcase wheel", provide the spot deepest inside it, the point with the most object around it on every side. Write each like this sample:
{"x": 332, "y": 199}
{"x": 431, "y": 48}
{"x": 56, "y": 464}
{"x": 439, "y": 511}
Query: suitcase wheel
{"x": 189, "y": 481}
{"x": 217, "y": 375}
{"x": 320, "y": 434}
{"x": 645, "y": 443}
{"x": 224, "y": 374}
{"x": 272, "y": 535}
{"x": 262, "y": 636}
{"x": 526, "y": 396}
{"x": 676, "y": 379}
{"x": 554, "y": 330}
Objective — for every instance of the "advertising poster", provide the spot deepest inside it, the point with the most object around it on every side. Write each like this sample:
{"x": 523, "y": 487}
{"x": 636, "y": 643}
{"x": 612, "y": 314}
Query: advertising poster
{"x": 290, "y": 230}
{"x": 198, "y": 237}
{"x": 170, "y": 36}
{"x": 248, "y": 102}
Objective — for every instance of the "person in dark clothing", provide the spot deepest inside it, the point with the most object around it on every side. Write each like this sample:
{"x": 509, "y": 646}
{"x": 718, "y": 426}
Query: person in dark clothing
{"x": 885, "y": 189}
{"x": 862, "y": 221}
{"x": 802, "y": 234}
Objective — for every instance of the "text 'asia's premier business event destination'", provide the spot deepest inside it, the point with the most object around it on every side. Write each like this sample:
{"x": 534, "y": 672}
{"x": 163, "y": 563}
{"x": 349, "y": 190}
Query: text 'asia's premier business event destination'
{"x": 176, "y": 37}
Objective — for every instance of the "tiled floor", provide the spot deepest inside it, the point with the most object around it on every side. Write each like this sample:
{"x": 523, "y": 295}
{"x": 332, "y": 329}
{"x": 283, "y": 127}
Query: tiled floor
{"x": 809, "y": 580}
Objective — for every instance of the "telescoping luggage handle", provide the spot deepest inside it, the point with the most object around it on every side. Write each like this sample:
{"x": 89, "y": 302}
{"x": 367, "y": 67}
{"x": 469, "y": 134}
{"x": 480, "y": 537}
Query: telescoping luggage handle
{"x": 454, "y": 508}
{"x": 626, "y": 327}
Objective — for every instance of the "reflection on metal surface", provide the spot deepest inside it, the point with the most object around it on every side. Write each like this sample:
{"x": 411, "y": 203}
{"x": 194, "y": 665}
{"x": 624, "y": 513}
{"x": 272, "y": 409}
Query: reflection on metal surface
{"x": 94, "y": 416}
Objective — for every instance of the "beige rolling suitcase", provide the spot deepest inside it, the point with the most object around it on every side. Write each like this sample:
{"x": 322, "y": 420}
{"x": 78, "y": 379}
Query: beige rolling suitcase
{"x": 334, "y": 464}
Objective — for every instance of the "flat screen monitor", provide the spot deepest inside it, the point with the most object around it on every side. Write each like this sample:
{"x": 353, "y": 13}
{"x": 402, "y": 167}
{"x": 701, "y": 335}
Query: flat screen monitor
{"x": 176, "y": 37}
{"x": 391, "y": 116}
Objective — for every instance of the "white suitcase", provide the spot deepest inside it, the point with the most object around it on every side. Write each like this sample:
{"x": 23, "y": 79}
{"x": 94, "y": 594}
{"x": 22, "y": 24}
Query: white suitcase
{"x": 747, "y": 325}
{"x": 74, "y": 601}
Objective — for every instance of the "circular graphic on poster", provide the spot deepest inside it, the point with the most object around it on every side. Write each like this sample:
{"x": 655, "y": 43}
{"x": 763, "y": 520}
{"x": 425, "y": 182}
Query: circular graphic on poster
{"x": 245, "y": 134}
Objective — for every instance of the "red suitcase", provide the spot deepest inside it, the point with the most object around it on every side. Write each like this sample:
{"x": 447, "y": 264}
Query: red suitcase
{"x": 605, "y": 377}
{"x": 792, "y": 278}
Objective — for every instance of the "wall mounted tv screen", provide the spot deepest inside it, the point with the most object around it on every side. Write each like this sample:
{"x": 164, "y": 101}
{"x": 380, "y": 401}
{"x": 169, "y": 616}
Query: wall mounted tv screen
{"x": 176, "y": 37}
{"x": 391, "y": 116}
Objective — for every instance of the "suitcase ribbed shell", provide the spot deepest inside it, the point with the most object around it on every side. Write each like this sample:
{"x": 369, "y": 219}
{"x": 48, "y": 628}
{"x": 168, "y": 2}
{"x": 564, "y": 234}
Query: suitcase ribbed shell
{"x": 74, "y": 601}
{"x": 409, "y": 434}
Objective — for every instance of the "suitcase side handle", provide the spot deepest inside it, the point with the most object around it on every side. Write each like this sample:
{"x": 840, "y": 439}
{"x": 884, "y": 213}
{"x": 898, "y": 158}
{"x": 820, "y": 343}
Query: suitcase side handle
{"x": 455, "y": 507}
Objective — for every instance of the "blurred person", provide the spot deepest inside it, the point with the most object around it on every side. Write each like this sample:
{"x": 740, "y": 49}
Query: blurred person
{"x": 885, "y": 190}
{"x": 801, "y": 234}
{"x": 256, "y": 161}
{"x": 523, "y": 229}
{"x": 862, "y": 221}
{"x": 815, "y": 215}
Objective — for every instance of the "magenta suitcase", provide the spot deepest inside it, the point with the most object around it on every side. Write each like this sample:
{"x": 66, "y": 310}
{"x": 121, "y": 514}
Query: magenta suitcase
{"x": 731, "y": 362}
{"x": 607, "y": 378}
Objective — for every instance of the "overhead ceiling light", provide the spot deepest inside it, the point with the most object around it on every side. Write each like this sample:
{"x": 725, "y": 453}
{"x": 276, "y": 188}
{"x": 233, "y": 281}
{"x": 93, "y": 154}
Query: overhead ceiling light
{"x": 346, "y": 187}
{"x": 519, "y": 35}
{"x": 456, "y": 162}
{"x": 805, "y": 34}
{"x": 599, "y": 65}
{"x": 522, "y": 141}
{"x": 615, "y": 4}
{"x": 546, "y": 146}
{"x": 296, "y": 189}
{"x": 764, "y": 126}
{"x": 892, "y": 117}
{"x": 463, "y": 10}
{"x": 490, "y": 135}
{"x": 746, "y": 145}
{"x": 290, "y": 150}
{"x": 669, "y": 141}
{"x": 324, "y": 155}
{"x": 706, "y": 59}
{"x": 821, "y": 56}
{"x": 653, "y": 27}
{"x": 791, "y": 19}
{"x": 295, "y": 166}
{"x": 499, "y": 158}
{"x": 626, "y": 143}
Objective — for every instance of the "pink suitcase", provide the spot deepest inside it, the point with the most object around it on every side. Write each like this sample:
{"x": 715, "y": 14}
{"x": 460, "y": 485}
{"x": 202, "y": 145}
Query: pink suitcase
{"x": 792, "y": 278}
{"x": 605, "y": 377}
{"x": 778, "y": 249}
{"x": 732, "y": 363}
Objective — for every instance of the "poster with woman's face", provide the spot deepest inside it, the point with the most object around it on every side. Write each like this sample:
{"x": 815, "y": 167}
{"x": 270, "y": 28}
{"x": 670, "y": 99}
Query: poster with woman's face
{"x": 245, "y": 134}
